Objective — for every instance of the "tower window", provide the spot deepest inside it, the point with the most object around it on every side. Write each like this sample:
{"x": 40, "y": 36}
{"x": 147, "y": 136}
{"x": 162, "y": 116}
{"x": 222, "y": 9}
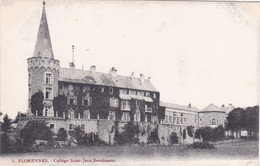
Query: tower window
{"x": 29, "y": 79}
{"x": 48, "y": 78}
{"x": 48, "y": 92}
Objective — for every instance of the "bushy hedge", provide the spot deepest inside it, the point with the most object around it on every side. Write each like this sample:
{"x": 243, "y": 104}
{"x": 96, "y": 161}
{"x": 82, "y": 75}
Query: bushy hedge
{"x": 153, "y": 137}
{"x": 211, "y": 134}
{"x": 202, "y": 145}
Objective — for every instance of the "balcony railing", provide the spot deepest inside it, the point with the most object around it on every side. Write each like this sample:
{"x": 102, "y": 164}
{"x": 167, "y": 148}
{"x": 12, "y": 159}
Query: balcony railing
{"x": 125, "y": 108}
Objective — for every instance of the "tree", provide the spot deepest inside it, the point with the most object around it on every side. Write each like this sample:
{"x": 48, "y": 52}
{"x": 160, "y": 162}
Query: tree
{"x": 5, "y": 143}
{"x": 37, "y": 103}
{"x": 236, "y": 120}
{"x": 34, "y": 130}
{"x": 7, "y": 123}
{"x": 129, "y": 134}
{"x": 62, "y": 135}
{"x": 19, "y": 114}
{"x": 59, "y": 104}
{"x": 252, "y": 119}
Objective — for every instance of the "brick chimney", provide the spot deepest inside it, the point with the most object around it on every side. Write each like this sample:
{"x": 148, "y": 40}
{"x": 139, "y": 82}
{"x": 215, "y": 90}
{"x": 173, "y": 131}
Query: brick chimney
{"x": 141, "y": 78}
{"x": 132, "y": 75}
{"x": 93, "y": 69}
{"x": 113, "y": 72}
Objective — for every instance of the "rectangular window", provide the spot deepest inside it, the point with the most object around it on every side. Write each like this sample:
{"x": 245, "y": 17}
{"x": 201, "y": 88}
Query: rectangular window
{"x": 87, "y": 101}
{"x": 123, "y": 91}
{"x": 171, "y": 119}
{"x": 48, "y": 92}
{"x": 138, "y": 103}
{"x": 29, "y": 79}
{"x": 102, "y": 89}
{"x": 174, "y": 119}
{"x": 111, "y": 90}
{"x": 140, "y": 93}
{"x": 178, "y": 120}
{"x": 126, "y": 116}
{"x": 166, "y": 118}
{"x": 147, "y": 94}
{"x": 110, "y": 115}
{"x": 113, "y": 102}
{"x": 132, "y": 92}
{"x": 125, "y": 105}
{"x": 154, "y": 95}
{"x": 60, "y": 86}
{"x": 71, "y": 126}
{"x": 48, "y": 78}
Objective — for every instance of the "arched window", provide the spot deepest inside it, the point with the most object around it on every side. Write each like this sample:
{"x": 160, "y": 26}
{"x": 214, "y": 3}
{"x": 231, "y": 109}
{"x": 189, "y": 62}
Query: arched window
{"x": 213, "y": 121}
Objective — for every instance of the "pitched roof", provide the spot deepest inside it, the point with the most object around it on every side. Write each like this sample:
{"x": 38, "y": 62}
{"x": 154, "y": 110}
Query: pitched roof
{"x": 212, "y": 108}
{"x": 178, "y": 107}
{"x": 43, "y": 47}
{"x": 105, "y": 79}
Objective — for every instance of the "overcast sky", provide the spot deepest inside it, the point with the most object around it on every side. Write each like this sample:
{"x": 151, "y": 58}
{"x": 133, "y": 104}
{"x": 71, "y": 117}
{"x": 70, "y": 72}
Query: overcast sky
{"x": 194, "y": 52}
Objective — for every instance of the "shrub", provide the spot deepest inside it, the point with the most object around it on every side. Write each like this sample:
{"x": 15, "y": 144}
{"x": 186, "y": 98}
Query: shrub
{"x": 202, "y": 145}
{"x": 190, "y": 130}
{"x": 174, "y": 138}
{"x": 153, "y": 137}
{"x": 129, "y": 134}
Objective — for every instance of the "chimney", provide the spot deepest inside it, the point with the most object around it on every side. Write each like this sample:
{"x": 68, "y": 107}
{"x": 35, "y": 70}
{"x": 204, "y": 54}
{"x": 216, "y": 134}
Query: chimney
{"x": 223, "y": 105}
{"x": 113, "y": 72}
{"x": 132, "y": 75}
{"x": 141, "y": 78}
{"x": 93, "y": 69}
{"x": 189, "y": 105}
{"x": 149, "y": 78}
{"x": 72, "y": 66}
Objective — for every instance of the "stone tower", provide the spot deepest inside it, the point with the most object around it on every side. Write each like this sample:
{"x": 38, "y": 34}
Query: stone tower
{"x": 43, "y": 69}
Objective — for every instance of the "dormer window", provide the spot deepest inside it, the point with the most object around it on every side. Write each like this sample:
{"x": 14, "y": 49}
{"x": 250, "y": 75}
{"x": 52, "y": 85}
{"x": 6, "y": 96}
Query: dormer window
{"x": 48, "y": 78}
{"x": 111, "y": 90}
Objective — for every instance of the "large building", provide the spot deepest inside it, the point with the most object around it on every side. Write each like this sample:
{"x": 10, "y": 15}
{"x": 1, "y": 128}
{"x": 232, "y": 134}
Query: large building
{"x": 88, "y": 93}
{"x": 95, "y": 100}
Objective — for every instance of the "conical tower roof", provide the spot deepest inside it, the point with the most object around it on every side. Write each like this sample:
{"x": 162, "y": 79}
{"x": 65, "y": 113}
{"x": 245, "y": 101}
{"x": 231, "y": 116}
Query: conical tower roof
{"x": 43, "y": 47}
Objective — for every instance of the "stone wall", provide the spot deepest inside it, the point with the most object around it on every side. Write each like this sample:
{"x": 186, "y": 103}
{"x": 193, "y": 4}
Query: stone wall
{"x": 105, "y": 129}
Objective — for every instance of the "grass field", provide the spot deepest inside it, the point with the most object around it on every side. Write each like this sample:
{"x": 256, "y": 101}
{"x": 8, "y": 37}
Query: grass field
{"x": 236, "y": 150}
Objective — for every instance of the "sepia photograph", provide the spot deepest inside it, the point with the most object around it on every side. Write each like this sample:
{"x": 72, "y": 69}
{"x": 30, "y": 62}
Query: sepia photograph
{"x": 88, "y": 82}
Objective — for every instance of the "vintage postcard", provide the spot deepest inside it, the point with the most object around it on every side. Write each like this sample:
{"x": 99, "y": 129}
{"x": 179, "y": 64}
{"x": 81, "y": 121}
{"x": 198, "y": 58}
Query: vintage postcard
{"x": 129, "y": 82}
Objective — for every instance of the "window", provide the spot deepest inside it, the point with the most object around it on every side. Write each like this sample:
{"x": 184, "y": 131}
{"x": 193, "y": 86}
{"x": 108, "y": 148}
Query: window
{"x": 71, "y": 100}
{"x": 82, "y": 127}
{"x": 178, "y": 120}
{"x": 51, "y": 126}
{"x": 137, "y": 117}
{"x": 213, "y": 121}
{"x": 123, "y": 91}
{"x": 102, "y": 89}
{"x": 29, "y": 79}
{"x": 48, "y": 78}
{"x": 125, "y": 105}
{"x": 111, "y": 90}
{"x": 138, "y": 103}
{"x": 174, "y": 119}
{"x": 87, "y": 101}
{"x": 48, "y": 92}
{"x": 86, "y": 114}
{"x": 147, "y": 94}
{"x": 154, "y": 95}
{"x": 140, "y": 93}
{"x": 125, "y": 116}
{"x": 171, "y": 119}
{"x": 146, "y": 118}
{"x": 132, "y": 92}
{"x": 70, "y": 87}
{"x": 71, "y": 126}
{"x": 29, "y": 94}
{"x": 113, "y": 102}
{"x": 166, "y": 118}
{"x": 60, "y": 86}
{"x": 111, "y": 115}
